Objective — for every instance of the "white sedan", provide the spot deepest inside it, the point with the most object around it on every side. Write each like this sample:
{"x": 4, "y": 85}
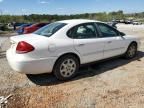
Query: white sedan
{"x": 61, "y": 47}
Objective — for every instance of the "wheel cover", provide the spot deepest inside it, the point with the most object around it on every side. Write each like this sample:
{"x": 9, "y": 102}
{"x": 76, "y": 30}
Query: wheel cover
{"x": 68, "y": 67}
{"x": 132, "y": 51}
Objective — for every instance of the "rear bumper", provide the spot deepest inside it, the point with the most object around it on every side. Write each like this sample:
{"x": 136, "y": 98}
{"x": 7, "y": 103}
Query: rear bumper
{"x": 30, "y": 66}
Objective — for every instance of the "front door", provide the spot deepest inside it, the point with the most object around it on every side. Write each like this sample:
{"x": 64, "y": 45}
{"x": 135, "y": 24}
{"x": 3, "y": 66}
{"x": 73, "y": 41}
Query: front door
{"x": 114, "y": 43}
{"x": 87, "y": 43}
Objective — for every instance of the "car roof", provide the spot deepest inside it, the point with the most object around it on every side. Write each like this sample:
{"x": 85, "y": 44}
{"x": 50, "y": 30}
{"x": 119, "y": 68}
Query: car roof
{"x": 77, "y": 21}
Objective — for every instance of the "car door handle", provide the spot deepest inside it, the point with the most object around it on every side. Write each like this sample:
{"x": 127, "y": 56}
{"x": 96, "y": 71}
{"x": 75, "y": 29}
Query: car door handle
{"x": 81, "y": 45}
{"x": 109, "y": 42}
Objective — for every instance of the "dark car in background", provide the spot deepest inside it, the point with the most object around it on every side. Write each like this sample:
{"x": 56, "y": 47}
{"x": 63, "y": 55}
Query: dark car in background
{"x": 20, "y": 30}
{"x": 34, "y": 27}
{"x": 128, "y": 21}
{"x": 1, "y": 25}
{"x": 17, "y": 25}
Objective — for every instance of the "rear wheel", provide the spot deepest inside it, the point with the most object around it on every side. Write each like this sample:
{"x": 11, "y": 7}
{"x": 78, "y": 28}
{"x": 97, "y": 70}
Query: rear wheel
{"x": 131, "y": 51}
{"x": 66, "y": 67}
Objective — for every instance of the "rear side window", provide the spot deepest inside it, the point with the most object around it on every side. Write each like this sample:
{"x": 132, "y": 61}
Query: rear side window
{"x": 50, "y": 29}
{"x": 83, "y": 31}
{"x": 107, "y": 31}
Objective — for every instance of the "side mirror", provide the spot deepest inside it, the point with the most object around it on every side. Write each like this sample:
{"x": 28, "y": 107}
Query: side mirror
{"x": 122, "y": 34}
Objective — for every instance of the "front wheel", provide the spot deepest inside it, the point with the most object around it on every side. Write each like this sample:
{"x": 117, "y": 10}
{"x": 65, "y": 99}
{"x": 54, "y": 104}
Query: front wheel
{"x": 131, "y": 51}
{"x": 66, "y": 67}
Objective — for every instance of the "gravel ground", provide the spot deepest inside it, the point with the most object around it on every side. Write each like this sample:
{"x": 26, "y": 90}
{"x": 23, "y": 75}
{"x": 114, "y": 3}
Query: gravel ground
{"x": 116, "y": 83}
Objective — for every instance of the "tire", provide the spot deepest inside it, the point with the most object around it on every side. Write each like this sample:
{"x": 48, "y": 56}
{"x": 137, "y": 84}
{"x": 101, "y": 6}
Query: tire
{"x": 66, "y": 67}
{"x": 131, "y": 51}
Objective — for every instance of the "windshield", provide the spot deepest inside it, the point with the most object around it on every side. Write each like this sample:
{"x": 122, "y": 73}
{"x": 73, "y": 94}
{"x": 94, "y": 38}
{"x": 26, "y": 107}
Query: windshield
{"x": 50, "y": 29}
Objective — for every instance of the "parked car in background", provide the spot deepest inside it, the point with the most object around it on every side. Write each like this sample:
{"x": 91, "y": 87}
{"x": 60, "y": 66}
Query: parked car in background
{"x": 34, "y": 27}
{"x": 17, "y": 25}
{"x": 136, "y": 23}
{"x": 61, "y": 47}
{"x": 1, "y": 25}
{"x": 128, "y": 22}
{"x": 20, "y": 30}
{"x": 10, "y": 26}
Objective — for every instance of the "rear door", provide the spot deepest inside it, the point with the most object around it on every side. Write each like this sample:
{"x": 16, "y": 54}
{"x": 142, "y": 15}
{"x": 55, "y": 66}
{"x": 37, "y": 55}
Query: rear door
{"x": 114, "y": 43}
{"x": 86, "y": 42}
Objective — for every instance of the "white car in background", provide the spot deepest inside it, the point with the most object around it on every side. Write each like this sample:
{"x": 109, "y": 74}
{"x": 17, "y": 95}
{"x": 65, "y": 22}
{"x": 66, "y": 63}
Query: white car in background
{"x": 61, "y": 47}
{"x": 136, "y": 23}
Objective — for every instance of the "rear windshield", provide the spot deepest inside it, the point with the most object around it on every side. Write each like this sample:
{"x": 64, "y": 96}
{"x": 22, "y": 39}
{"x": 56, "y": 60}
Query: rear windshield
{"x": 50, "y": 29}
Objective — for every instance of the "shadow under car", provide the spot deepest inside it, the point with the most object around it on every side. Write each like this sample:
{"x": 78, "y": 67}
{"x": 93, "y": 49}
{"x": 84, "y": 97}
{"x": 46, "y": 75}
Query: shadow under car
{"x": 85, "y": 71}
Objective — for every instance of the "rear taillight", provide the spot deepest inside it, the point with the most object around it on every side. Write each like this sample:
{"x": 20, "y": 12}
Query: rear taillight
{"x": 24, "y": 47}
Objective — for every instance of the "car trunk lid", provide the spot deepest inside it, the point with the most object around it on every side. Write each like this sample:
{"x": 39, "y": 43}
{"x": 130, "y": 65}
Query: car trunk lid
{"x": 29, "y": 38}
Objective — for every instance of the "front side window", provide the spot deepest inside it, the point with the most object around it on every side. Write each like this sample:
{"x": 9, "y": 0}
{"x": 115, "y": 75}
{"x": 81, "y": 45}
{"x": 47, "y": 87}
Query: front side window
{"x": 83, "y": 31}
{"x": 107, "y": 31}
{"x": 50, "y": 29}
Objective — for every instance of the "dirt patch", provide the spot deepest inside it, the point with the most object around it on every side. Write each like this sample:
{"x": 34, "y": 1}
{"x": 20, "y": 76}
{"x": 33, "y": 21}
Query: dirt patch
{"x": 7, "y": 33}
